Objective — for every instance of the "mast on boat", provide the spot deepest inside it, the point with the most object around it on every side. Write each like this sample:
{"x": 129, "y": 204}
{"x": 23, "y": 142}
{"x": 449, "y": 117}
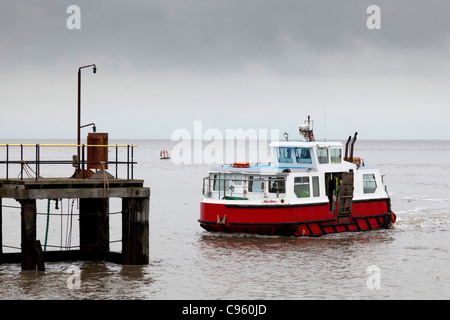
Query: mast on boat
{"x": 306, "y": 130}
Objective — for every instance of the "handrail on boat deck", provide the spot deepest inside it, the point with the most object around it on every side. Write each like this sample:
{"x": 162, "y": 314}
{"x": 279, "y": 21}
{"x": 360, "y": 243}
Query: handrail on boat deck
{"x": 244, "y": 186}
{"x": 76, "y": 163}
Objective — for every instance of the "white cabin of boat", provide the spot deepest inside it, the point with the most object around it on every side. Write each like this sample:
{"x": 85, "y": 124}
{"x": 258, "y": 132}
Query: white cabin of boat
{"x": 300, "y": 172}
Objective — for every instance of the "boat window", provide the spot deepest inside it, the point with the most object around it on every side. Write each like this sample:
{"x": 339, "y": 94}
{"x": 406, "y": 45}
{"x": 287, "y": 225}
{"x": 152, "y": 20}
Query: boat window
{"x": 256, "y": 184}
{"x": 322, "y": 155}
{"x": 237, "y": 180}
{"x": 219, "y": 182}
{"x": 284, "y": 155}
{"x": 301, "y": 187}
{"x": 303, "y": 155}
{"x": 335, "y": 155}
{"x": 315, "y": 185}
{"x": 369, "y": 183}
{"x": 277, "y": 184}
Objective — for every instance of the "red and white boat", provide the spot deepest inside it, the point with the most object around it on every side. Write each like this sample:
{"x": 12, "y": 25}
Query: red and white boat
{"x": 296, "y": 194}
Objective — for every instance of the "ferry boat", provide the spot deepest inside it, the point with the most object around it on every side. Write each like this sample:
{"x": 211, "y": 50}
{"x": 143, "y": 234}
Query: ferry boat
{"x": 311, "y": 188}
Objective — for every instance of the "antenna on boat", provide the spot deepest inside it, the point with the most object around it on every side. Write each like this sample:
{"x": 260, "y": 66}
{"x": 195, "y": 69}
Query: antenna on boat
{"x": 325, "y": 121}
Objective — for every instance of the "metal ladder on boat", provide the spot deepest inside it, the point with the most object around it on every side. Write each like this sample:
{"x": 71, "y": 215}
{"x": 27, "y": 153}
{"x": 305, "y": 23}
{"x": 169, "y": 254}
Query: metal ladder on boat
{"x": 345, "y": 197}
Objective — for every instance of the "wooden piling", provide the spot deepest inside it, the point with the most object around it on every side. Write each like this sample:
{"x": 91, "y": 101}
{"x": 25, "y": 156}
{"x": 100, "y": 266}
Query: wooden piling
{"x": 135, "y": 230}
{"x": 39, "y": 255}
{"x": 28, "y": 233}
{"x": 94, "y": 228}
{"x": 1, "y": 232}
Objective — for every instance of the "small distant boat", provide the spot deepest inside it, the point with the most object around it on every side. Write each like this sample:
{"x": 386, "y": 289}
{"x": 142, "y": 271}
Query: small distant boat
{"x": 164, "y": 155}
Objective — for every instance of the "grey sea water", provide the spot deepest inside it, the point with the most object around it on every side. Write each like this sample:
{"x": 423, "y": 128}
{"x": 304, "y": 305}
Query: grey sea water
{"x": 410, "y": 261}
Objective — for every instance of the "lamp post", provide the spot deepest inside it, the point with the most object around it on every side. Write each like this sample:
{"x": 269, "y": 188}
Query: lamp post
{"x": 79, "y": 107}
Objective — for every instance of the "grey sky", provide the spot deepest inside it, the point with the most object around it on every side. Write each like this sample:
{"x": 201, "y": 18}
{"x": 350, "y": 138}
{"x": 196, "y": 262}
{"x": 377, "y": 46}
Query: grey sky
{"x": 231, "y": 64}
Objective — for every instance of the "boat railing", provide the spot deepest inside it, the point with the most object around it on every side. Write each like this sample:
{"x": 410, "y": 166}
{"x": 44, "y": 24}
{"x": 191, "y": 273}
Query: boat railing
{"x": 31, "y": 162}
{"x": 238, "y": 188}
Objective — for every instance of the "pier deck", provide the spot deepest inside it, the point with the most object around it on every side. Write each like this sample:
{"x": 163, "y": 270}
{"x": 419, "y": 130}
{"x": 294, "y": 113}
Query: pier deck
{"x": 54, "y": 188}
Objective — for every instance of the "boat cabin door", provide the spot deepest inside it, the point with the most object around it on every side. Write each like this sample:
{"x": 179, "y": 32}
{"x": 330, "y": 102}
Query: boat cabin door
{"x": 345, "y": 196}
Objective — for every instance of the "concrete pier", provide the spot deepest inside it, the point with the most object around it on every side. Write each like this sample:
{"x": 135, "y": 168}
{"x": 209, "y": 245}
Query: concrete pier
{"x": 94, "y": 195}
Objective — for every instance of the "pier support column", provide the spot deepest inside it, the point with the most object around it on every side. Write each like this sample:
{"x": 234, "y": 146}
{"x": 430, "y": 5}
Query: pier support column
{"x": 94, "y": 228}
{"x": 1, "y": 233}
{"x": 28, "y": 236}
{"x": 135, "y": 231}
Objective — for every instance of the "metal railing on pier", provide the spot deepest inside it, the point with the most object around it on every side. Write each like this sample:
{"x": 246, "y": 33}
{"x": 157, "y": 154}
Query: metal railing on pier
{"x": 31, "y": 166}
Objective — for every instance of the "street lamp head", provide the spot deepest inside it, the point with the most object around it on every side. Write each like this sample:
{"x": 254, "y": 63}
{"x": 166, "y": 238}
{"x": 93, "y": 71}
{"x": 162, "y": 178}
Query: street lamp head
{"x": 95, "y": 69}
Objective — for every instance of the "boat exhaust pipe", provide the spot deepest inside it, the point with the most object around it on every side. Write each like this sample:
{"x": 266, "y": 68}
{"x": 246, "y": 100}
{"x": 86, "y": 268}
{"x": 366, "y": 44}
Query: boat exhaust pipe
{"x": 346, "y": 148}
{"x": 352, "y": 145}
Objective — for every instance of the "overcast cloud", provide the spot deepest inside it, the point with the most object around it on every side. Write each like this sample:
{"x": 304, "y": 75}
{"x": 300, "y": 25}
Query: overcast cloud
{"x": 231, "y": 64}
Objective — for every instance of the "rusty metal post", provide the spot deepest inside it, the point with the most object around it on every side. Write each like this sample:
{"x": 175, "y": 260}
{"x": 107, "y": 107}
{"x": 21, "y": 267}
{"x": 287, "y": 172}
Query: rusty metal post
{"x": 79, "y": 116}
{"x": 135, "y": 231}
{"x": 97, "y": 155}
{"x": 79, "y": 106}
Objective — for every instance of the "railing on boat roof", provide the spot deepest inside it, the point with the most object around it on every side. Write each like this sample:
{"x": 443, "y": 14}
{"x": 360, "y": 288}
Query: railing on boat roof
{"x": 81, "y": 164}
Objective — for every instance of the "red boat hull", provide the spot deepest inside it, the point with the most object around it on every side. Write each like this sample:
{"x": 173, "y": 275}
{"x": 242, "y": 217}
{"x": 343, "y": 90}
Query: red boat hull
{"x": 294, "y": 220}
